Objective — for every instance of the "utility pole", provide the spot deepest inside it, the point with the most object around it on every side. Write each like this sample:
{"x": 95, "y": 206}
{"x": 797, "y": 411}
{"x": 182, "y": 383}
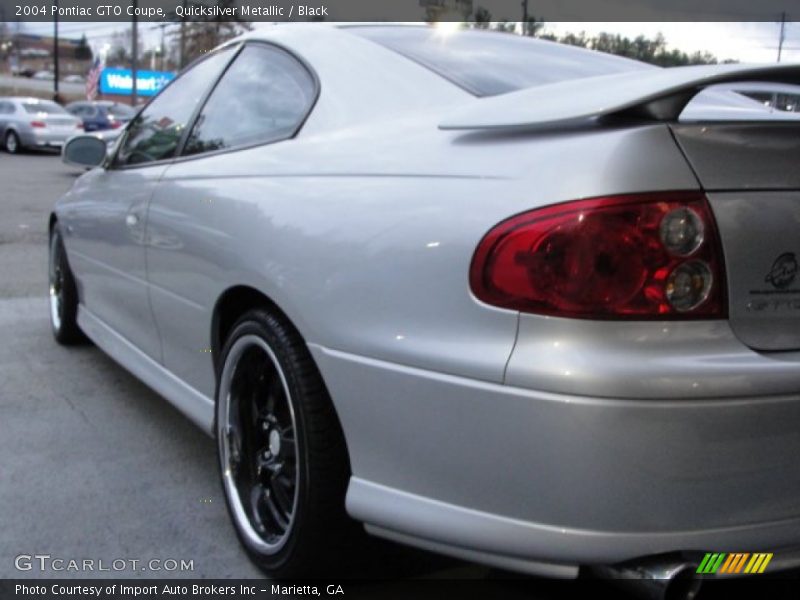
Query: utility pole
{"x": 182, "y": 59}
{"x": 55, "y": 52}
{"x": 161, "y": 48}
{"x": 782, "y": 35}
{"x": 135, "y": 52}
{"x": 524, "y": 14}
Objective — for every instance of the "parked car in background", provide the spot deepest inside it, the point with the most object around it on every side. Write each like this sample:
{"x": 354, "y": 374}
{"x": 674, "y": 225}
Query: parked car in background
{"x": 100, "y": 115}
{"x": 44, "y": 75}
{"x": 35, "y": 123}
{"x": 23, "y": 72}
{"x": 783, "y": 97}
{"x": 74, "y": 79}
{"x": 489, "y": 295}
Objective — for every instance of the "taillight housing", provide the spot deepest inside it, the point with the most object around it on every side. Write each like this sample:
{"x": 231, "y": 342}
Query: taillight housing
{"x": 638, "y": 256}
{"x": 38, "y": 124}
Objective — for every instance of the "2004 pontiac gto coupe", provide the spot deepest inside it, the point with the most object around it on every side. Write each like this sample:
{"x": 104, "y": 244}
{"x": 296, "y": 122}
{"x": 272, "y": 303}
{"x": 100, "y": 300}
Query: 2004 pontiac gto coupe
{"x": 503, "y": 299}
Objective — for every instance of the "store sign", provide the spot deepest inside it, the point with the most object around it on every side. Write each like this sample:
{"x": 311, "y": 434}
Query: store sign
{"x": 120, "y": 81}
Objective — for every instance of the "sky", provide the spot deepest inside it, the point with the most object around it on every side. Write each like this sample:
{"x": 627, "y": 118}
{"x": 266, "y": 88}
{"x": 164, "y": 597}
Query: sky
{"x": 745, "y": 42}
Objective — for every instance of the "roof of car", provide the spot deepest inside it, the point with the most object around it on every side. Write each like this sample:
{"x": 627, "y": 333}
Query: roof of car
{"x": 24, "y": 99}
{"x": 282, "y": 29}
{"x": 93, "y": 102}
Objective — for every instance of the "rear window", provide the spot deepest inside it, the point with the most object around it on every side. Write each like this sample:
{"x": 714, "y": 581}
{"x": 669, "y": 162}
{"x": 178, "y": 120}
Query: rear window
{"x": 489, "y": 63}
{"x": 45, "y": 106}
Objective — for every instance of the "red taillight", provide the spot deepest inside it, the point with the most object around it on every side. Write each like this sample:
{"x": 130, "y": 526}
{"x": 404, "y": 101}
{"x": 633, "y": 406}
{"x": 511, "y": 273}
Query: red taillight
{"x": 38, "y": 124}
{"x": 115, "y": 124}
{"x": 79, "y": 125}
{"x": 640, "y": 256}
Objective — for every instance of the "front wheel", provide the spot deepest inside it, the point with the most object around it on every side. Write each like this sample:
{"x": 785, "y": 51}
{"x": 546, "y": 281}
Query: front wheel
{"x": 63, "y": 294}
{"x": 282, "y": 454}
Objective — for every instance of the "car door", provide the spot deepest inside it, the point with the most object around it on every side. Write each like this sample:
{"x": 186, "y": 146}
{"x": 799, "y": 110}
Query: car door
{"x": 106, "y": 218}
{"x": 205, "y": 199}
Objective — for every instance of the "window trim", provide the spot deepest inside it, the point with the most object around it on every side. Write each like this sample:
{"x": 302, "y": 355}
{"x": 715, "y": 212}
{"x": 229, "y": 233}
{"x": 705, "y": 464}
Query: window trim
{"x": 111, "y": 166}
{"x": 179, "y": 156}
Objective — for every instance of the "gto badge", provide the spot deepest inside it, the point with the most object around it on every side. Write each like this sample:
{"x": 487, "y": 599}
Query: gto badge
{"x": 783, "y": 271}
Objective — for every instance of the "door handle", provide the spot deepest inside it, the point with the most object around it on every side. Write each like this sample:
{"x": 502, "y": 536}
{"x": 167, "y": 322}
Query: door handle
{"x": 131, "y": 220}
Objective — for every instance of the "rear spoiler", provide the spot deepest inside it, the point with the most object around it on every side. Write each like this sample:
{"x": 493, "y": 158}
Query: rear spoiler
{"x": 657, "y": 95}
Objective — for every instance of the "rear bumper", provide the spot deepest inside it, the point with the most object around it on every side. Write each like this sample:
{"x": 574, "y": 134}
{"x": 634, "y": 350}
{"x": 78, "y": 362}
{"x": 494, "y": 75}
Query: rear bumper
{"x": 540, "y": 549}
{"x": 506, "y": 473}
{"x": 46, "y": 139}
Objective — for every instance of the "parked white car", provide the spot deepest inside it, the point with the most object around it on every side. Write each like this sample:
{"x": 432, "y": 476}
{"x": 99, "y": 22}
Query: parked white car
{"x": 31, "y": 123}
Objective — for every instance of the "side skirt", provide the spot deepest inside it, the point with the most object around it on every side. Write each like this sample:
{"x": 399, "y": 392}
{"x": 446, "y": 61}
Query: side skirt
{"x": 198, "y": 407}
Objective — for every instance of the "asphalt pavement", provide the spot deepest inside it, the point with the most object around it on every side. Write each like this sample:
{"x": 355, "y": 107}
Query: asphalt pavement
{"x": 93, "y": 464}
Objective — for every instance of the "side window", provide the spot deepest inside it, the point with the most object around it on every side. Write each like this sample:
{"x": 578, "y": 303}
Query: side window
{"x": 156, "y": 132}
{"x": 6, "y": 108}
{"x": 264, "y": 96}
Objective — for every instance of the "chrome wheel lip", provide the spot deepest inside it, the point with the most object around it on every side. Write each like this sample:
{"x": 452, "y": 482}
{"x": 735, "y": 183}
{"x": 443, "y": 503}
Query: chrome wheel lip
{"x": 252, "y": 538}
{"x": 56, "y": 286}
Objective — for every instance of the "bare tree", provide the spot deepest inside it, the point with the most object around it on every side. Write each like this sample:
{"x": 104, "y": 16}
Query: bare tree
{"x": 198, "y": 37}
{"x": 119, "y": 52}
{"x": 505, "y": 26}
{"x": 483, "y": 18}
{"x": 532, "y": 27}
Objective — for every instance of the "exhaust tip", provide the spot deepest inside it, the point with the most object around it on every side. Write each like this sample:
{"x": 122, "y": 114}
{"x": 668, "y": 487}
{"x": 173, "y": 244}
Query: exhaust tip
{"x": 683, "y": 584}
{"x": 656, "y": 578}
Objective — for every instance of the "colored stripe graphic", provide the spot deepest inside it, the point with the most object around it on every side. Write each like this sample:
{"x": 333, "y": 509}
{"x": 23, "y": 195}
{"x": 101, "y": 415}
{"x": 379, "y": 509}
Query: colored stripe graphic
{"x": 758, "y": 563}
{"x": 711, "y": 562}
{"x": 733, "y": 563}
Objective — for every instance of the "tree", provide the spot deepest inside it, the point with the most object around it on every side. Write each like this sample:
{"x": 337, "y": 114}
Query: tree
{"x": 119, "y": 52}
{"x": 198, "y": 37}
{"x": 505, "y": 26}
{"x": 532, "y": 27}
{"x": 82, "y": 50}
{"x": 483, "y": 18}
{"x": 649, "y": 50}
{"x": 575, "y": 40}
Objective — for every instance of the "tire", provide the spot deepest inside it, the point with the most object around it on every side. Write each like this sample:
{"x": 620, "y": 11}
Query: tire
{"x": 283, "y": 460}
{"x": 63, "y": 294}
{"x": 11, "y": 142}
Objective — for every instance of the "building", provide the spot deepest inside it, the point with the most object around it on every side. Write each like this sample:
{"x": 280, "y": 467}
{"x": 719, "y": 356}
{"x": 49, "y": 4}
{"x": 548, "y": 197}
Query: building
{"x": 27, "y": 53}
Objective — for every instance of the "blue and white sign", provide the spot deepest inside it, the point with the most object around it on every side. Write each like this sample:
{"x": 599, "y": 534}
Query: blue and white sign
{"x": 120, "y": 81}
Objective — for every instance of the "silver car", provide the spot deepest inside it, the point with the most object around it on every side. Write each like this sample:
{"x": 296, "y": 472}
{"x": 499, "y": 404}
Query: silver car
{"x": 34, "y": 124}
{"x": 487, "y": 295}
